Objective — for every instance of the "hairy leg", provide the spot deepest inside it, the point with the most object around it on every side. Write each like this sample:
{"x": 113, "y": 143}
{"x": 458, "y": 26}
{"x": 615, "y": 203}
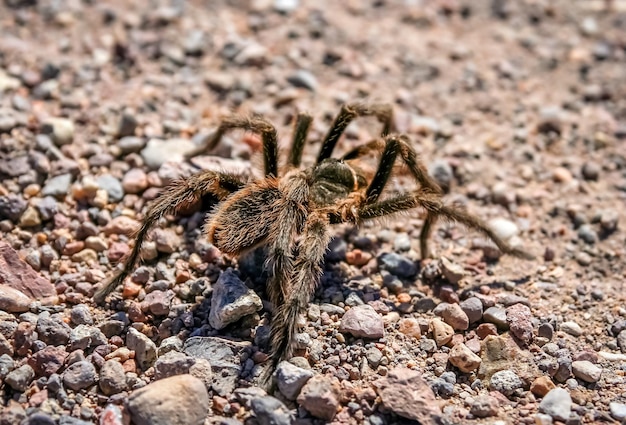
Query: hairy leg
{"x": 179, "y": 194}
{"x": 391, "y": 147}
{"x": 434, "y": 206}
{"x": 300, "y": 132}
{"x": 256, "y": 125}
{"x": 348, "y": 113}
{"x": 304, "y": 280}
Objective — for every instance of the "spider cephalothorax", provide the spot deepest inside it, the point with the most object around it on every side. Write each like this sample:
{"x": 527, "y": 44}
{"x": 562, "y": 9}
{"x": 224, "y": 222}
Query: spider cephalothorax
{"x": 291, "y": 214}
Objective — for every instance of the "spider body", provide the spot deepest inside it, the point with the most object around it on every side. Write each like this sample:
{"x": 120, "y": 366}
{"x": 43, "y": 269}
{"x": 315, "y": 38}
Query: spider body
{"x": 292, "y": 214}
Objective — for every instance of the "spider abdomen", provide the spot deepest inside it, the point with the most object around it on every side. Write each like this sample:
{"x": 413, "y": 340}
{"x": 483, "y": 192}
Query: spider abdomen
{"x": 245, "y": 219}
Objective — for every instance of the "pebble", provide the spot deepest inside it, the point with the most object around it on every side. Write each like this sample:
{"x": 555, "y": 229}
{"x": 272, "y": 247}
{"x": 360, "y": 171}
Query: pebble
{"x": 12, "y": 300}
{"x": 571, "y": 328}
{"x": 231, "y": 300}
{"x": 497, "y": 316}
{"x": 135, "y": 181}
{"x": 81, "y": 315}
{"x": 402, "y": 242}
{"x": 290, "y": 379}
{"x": 52, "y": 329}
{"x": 30, "y": 218}
{"x": 86, "y": 336}
{"x": 286, "y": 6}
{"x": 463, "y": 358}
{"x": 557, "y": 403}
{"x": 112, "y": 379}
{"x": 171, "y": 364}
{"x": 145, "y": 350}
{"x": 320, "y": 397}
{"x": 410, "y": 327}
{"x": 506, "y": 382}
{"x": 19, "y": 379}
{"x": 519, "y": 318}
{"x": 58, "y": 186}
{"x": 451, "y": 271}
{"x": 131, "y": 144}
{"x": 587, "y": 371}
{"x": 112, "y": 186}
{"x": 167, "y": 240}
{"x": 542, "y": 386}
{"x": 362, "y": 322}
{"x": 618, "y": 410}
{"x": 121, "y": 225}
{"x": 60, "y": 129}
{"x": 12, "y": 207}
{"x": 6, "y": 365}
{"x": 404, "y": 392}
{"x": 545, "y": 331}
{"x": 178, "y": 400}
{"x": 79, "y": 375}
{"x": 158, "y": 152}
{"x": 484, "y": 406}
{"x": 304, "y": 79}
{"x": 48, "y": 360}
{"x": 397, "y": 265}
{"x": 587, "y": 234}
{"x": 473, "y": 308}
{"x": 453, "y": 315}
{"x": 270, "y": 411}
{"x": 504, "y": 228}
{"x": 442, "y": 332}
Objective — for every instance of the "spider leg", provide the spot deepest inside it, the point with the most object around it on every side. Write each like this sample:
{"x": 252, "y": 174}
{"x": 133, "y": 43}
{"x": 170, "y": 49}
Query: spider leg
{"x": 391, "y": 147}
{"x": 434, "y": 206}
{"x": 179, "y": 194}
{"x": 348, "y": 113}
{"x": 301, "y": 130}
{"x": 304, "y": 280}
{"x": 256, "y": 125}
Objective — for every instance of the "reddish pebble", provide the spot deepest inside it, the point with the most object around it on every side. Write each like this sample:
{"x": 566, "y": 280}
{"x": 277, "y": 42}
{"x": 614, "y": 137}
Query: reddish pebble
{"x": 356, "y": 257}
{"x": 130, "y": 366}
{"x": 404, "y": 298}
{"x": 485, "y": 329}
{"x": 130, "y": 290}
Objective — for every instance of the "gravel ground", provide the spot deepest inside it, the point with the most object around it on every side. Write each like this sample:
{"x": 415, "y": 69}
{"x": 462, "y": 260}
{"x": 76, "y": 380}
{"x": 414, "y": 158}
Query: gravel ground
{"x": 519, "y": 108}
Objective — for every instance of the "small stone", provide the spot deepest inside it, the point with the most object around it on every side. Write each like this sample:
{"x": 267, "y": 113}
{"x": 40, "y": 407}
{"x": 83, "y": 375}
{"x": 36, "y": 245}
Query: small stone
{"x": 484, "y": 406}
{"x": 304, "y": 79}
{"x": 442, "y": 332}
{"x": 545, "y": 331}
{"x": 362, "y": 322}
{"x": 587, "y": 234}
{"x": 135, "y": 181}
{"x": 171, "y": 364}
{"x": 270, "y": 411}
{"x": 562, "y": 175}
{"x": 453, "y": 315}
{"x": 407, "y": 394}
{"x": 179, "y": 400}
{"x": 542, "y": 386}
{"x": 286, "y": 6}
{"x": 551, "y": 120}
{"x": 121, "y": 225}
{"x": 451, "y": 271}
{"x": 166, "y": 240}
{"x": 497, "y": 316}
{"x": 557, "y": 403}
{"x": 112, "y": 378}
{"x": 519, "y": 317}
{"x": 571, "y": 328}
{"x": 20, "y": 378}
{"x": 397, "y": 265}
{"x": 505, "y": 229}
{"x": 53, "y": 330}
{"x": 410, "y": 327}
{"x": 58, "y": 186}
{"x": 158, "y": 303}
{"x": 506, "y": 382}
{"x": 473, "y": 308}
{"x": 48, "y": 360}
{"x": 320, "y": 397}
{"x": 291, "y": 379}
{"x": 145, "y": 350}
{"x": 30, "y": 218}
{"x": 231, "y": 300}
{"x": 79, "y": 375}
{"x": 127, "y": 125}
{"x": 61, "y": 130}
{"x": 618, "y": 410}
{"x": 591, "y": 171}
{"x": 85, "y": 336}
{"x": 131, "y": 144}
{"x": 463, "y": 358}
{"x": 12, "y": 207}
{"x": 374, "y": 356}
{"x": 587, "y": 371}
{"x": 112, "y": 186}
{"x": 158, "y": 152}
{"x": 12, "y": 300}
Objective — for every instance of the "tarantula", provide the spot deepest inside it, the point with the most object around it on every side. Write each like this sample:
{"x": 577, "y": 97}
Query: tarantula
{"x": 291, "y": 213}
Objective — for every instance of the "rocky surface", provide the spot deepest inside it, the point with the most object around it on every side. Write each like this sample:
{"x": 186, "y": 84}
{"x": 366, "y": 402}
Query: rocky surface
{"x": 517, "y": 109}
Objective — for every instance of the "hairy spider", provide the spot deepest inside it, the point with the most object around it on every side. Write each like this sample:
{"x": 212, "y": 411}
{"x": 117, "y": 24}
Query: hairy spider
{"x": 291, "y": 214}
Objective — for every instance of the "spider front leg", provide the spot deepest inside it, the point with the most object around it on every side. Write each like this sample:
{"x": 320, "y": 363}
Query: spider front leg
{"x": 391, "y": 147}
{"x": 434, "y": 206}
{"x": 304, "y": 280}
{"x": 348, "y": 113}
{"x": 256, "y": 125}
{"x": 177, "y": 195}
{"x": 301, "y": 130}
